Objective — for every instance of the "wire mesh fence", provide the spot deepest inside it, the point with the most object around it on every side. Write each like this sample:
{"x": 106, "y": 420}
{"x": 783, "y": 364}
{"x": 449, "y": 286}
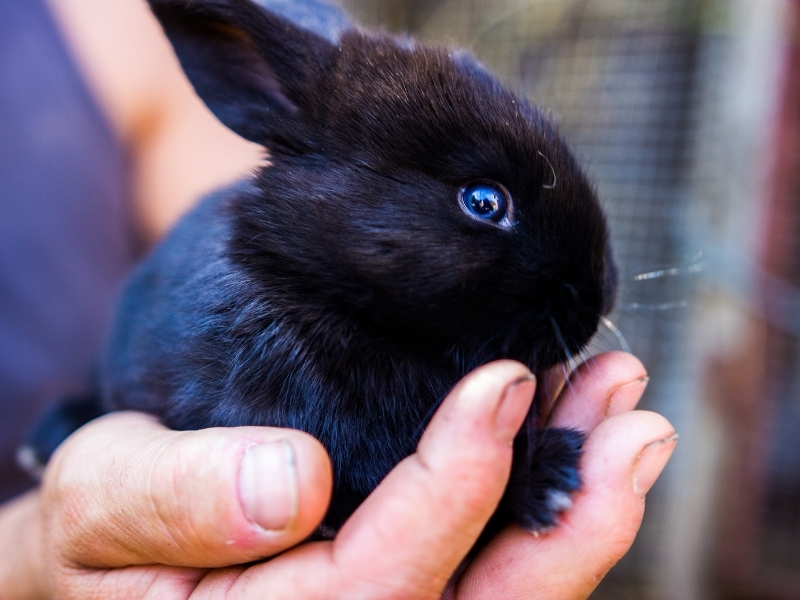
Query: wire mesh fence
{"x": 671, "y": 104}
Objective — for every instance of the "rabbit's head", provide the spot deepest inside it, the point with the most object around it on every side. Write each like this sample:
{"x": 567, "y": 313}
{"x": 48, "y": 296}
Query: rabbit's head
{"x": 409, "y": 194}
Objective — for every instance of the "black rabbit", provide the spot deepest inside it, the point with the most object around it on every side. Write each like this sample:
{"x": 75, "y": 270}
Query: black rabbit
{"x": 417, "y": 220}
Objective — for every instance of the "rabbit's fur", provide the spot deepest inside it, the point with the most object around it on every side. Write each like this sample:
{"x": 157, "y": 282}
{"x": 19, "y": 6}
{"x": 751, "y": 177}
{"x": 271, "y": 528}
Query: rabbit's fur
{"x": 345, "y": 289}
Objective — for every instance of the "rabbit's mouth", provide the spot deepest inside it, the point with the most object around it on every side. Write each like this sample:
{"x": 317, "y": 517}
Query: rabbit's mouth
{"x": 537, "y": 338}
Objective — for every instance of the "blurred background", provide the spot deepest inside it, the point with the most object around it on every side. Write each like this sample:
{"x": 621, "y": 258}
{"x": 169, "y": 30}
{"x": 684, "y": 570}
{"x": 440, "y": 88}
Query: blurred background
{"x": 687, "y": 115}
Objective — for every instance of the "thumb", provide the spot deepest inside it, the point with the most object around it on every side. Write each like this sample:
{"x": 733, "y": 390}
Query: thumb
{"x": 124, "y": 490}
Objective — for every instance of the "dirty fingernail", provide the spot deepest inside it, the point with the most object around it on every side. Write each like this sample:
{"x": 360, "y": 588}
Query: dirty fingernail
{"x": 651, "y": 462}
{"x": 625, "y": 397}
{"x": 268, "y": 485}
{"x": 514, "y": 406}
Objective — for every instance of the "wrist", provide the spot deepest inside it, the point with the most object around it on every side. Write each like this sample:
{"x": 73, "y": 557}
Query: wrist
{"x": 22, "y": 574}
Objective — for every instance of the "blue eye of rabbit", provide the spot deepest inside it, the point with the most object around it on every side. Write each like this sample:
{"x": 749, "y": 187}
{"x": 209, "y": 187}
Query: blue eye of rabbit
{"x": 485, "y": 201}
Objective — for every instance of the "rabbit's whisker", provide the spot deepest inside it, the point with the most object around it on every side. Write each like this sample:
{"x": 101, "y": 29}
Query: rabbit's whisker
{"x": 609, "y": 324}
{"x": 566, "y": 365}
{"x": 555, "y": 179}
{"x": 654, "y": 307}
{"x": 591, "y": 366}
{"x": 694, "y": 266}
{"x": 530, "y": 432}
{"x": 560, "y": 338}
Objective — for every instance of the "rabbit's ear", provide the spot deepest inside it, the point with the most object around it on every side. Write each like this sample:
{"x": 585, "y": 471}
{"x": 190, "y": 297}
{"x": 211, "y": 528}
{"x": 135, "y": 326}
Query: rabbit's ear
{"x": 252, "y": 68}
{"x": 323, "y": 19}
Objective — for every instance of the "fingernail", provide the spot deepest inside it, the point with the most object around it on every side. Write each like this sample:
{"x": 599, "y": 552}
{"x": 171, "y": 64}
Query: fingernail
{"x": 514, "y": 406}
{"x": 650, "y": 462}
{"x": 268, "y": 485}
{"x": 625, "y": 396}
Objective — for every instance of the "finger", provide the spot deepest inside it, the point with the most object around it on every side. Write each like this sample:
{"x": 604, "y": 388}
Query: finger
{"x": 408, "y": 537}
{"x": 23, "y": 563}
{"x": 623, "y": 457}
{"x": 152, "y": 582}
{"x": 426, "y": 515}
{"x": 602, "y": 387}
{"x": 124, "y": 491}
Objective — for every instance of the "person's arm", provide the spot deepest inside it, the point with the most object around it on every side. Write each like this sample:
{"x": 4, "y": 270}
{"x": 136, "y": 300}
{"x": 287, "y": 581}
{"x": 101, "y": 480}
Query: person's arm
{"x": 178, "y": 150}
{"x": 129, "y": 509}
{"x": 21, "y": 548}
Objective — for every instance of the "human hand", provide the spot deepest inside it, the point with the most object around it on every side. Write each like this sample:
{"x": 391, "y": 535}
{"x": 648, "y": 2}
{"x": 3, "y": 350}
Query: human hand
{"x": 125, "y": 494}
{"x": 125, "y": 503}
{"x": 623, "y": 456}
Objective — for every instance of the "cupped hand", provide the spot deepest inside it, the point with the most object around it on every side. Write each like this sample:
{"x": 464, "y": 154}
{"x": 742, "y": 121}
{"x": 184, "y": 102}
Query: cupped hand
{"x": 124, "y": 494}
{"x": 129, "y": 509}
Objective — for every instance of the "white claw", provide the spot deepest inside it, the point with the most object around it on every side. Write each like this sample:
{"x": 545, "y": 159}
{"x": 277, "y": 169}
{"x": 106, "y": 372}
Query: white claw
{"x": 558, "y": 501}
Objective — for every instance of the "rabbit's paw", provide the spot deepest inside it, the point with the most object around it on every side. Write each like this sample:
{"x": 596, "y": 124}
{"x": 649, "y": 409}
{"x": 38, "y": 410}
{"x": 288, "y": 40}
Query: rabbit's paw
{"x": 544, "y": 474}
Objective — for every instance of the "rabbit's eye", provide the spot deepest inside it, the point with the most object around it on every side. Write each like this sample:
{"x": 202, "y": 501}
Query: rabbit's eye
{"x": 486, "y": 201}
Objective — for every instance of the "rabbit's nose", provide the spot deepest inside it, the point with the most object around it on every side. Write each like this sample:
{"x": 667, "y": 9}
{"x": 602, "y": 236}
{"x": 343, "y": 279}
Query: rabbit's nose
{"x": 577, "y": 305}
